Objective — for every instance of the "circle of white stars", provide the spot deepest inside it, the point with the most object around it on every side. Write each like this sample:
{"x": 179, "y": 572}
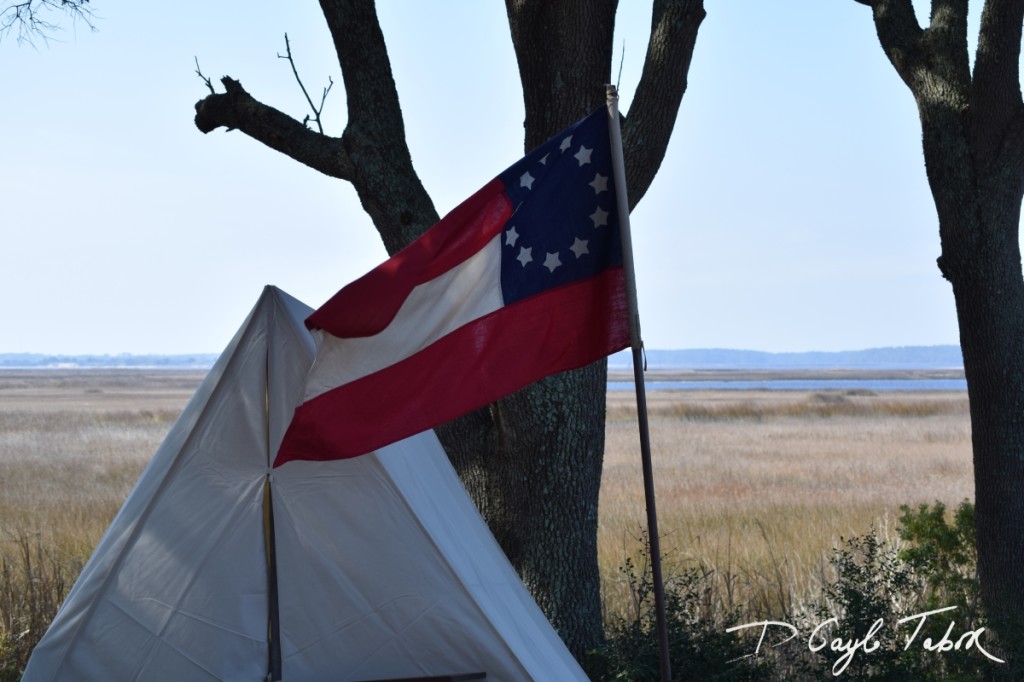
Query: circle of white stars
{"x": 599, "y": 218}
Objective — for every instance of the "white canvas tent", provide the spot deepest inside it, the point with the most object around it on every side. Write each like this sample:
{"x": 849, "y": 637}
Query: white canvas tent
{"x": 384, "y": 567}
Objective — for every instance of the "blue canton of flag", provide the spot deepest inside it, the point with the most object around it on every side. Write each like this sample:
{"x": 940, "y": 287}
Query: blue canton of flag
{"x": 564, "y": 225}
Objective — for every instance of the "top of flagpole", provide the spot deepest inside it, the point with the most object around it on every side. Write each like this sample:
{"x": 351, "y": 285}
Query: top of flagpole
{"x": 622, "y": 199}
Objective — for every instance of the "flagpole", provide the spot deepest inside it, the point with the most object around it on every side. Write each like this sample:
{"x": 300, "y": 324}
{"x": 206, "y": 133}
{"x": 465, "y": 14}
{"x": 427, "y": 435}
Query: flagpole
{"x": 637, "y": 345}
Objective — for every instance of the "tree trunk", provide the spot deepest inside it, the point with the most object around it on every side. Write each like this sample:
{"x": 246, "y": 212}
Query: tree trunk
{"x": 983, "y": 263}
{"x": 991, "y": 317}
{"x": 973, "y": 138}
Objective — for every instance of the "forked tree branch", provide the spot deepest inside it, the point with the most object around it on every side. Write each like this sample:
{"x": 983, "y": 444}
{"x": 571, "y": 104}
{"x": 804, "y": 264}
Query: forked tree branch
{"x": 236, "y": 108}
{"x": 295, "y": 70}
{"x": 203, "y": 78}
{"x": 372, "y": 152}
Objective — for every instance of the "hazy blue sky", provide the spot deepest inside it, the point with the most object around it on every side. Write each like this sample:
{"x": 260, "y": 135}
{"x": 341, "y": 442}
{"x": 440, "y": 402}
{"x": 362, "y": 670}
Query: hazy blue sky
{"x": 791, "y": 213}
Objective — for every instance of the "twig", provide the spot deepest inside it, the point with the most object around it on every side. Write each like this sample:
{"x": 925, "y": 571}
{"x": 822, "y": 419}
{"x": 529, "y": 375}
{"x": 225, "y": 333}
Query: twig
{"x": 204, "y": 78}
{"x": 316, "y": 111}
{"x": 28, "y": 18}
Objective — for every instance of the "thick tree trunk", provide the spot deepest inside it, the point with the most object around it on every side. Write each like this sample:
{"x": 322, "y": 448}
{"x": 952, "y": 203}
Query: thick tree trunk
{"x": 973, "y": 138}
{"x": 991, "y": 316}
{"x": 984, "y": 266}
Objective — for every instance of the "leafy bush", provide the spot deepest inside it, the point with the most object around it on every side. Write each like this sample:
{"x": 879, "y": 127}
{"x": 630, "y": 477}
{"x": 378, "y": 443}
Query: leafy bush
{"x": 929, "y": 567}
{"x": 874, "y": 588}
{"x": 932, "y": 571}
{"x": 699, "y": 647}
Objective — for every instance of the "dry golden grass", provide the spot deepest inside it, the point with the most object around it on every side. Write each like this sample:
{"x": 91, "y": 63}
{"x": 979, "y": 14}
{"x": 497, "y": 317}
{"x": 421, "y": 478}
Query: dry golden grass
{"x": 72, "y": 446}
{"x": 758, "y": 486}
{"x": 755, "y": 487}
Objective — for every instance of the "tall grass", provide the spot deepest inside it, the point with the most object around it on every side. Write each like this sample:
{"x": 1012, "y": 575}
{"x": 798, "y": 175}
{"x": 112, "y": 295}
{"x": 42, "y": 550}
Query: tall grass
{"x": 755, "y": 488}
{"x": 71, "y": 448}
{"x": 33, "y": 583}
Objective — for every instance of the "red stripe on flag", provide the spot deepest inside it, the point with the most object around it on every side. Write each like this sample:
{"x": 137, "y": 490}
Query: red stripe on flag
{"x": 367, "y": 305}
{"x": 555, "y": 331}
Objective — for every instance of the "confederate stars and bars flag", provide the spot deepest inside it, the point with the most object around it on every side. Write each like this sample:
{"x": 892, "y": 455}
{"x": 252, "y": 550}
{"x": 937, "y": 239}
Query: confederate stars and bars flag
{"x": 522, "y": 280}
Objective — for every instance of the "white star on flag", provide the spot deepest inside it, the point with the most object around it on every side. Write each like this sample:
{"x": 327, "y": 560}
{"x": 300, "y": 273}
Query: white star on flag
{"x": 525, "y": 255}
{"x": 579, "y": 247}
{"x": 565, "y": 143}
{"x": 511, "y": 236}
{"x": 552, "y": 262}
{"x": 599, "y": 183}
{"x": 526, "y": 181}
{"x": 583, "y": 155}
{"x": 600, "y": 217}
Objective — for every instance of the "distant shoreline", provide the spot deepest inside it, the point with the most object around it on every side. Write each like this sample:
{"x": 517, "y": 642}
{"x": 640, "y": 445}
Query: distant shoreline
{"x": 691, "y": 365}
{"x": 659, "y": 375}
{"x": 53, "y": 374}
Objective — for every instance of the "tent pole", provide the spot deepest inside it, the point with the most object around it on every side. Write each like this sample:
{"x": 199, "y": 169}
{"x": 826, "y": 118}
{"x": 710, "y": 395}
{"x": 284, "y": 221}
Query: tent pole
{"x": 273, "y": 613}
{"x": 637, "y": 345}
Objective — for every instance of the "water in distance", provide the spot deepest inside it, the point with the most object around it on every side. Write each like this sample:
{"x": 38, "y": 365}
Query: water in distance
{"x": 877, "y": 385}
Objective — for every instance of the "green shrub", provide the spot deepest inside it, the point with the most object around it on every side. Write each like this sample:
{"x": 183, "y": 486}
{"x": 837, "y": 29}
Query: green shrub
{"x": 944, "y": 555}
{"x": 874, "y": 588}
{"x": 879, "y": 581}
{"x": 933, "y": 569}
{"x": 699, "y": 646}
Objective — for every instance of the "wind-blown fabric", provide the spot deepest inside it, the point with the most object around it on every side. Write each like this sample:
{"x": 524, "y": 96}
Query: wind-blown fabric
{"x": 522, "y": 280}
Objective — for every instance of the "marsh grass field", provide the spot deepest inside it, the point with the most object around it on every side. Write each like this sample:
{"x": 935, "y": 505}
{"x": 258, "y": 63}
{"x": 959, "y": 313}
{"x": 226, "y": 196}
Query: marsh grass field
{"x": 754, "y": 488}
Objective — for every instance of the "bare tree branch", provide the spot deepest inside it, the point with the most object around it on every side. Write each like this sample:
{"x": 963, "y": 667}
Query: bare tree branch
{"x": 372, "y": 152}
{"x": 236, "y": 108}
{"x": 206, "y": 80}
{"x": 30, "y": 18}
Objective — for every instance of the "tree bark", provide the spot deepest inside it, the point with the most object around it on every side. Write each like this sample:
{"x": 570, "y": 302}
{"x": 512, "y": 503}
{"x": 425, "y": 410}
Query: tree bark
{"x": 532, "y": 462}
{"x": 973, "y": 138}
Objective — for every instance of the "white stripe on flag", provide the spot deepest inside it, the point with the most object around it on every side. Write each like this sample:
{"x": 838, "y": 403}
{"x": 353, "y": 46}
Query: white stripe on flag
{"x": 432, "y": 310}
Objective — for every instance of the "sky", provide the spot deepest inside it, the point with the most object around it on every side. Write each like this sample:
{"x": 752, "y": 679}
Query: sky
{"x": 791, "y": 213}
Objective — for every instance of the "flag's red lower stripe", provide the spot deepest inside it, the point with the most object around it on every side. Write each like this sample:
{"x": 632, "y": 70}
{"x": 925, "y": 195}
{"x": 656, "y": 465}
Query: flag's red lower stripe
{"x": 477, "y": 364}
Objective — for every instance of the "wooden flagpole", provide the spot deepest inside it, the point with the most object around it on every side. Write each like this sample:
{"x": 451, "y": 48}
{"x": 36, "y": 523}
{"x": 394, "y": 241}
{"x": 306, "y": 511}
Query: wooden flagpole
{"x": 637, "y": 345}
